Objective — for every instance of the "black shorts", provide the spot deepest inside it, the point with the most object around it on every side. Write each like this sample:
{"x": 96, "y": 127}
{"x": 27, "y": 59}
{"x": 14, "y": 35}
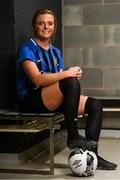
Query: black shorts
{"x": 33, "y": 103}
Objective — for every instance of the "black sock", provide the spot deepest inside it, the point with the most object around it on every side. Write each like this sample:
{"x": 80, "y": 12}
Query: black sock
{"x": 93, "y": 108}
{"x": 70, "y": 88}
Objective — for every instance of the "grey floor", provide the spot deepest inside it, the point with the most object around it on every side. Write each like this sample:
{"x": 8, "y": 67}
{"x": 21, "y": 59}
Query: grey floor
{"x": 109, "y": 148}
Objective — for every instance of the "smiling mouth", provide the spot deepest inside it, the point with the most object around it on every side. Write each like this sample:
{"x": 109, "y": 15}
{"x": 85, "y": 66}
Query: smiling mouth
{"x": 46, "y": 32}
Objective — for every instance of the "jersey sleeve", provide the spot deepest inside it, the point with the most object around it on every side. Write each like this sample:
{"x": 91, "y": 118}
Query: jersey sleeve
{"x": 26, "y": 52}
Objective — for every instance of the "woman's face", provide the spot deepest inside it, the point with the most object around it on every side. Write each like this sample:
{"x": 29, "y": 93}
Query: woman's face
{"x": 44, "y": 26}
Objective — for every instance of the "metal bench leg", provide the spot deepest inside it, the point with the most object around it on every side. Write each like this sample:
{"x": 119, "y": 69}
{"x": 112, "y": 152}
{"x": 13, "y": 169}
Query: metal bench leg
{"x": 51, "y": 147}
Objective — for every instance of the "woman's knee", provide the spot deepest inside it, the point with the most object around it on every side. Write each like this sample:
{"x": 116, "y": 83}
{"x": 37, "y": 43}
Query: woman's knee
{"x": 93, "y": 105}
{"x": 69, "y": 84}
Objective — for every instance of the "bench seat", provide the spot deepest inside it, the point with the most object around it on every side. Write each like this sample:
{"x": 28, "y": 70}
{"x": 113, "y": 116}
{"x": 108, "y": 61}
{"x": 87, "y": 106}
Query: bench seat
{"x": 27, "y": 122}
{"x": 30, "y": 123}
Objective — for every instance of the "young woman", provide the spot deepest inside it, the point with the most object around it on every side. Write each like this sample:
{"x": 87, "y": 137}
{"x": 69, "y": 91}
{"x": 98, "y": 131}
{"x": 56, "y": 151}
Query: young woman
{"x": 44, "y": 86}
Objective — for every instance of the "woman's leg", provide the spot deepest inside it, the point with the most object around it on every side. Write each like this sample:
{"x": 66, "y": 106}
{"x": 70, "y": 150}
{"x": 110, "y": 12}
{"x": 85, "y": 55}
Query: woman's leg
{"x": 66, "y": 93}
{"x": 93, "y": 108}
{"x": 70, "y": 88}
{"x": 52, "y": 96}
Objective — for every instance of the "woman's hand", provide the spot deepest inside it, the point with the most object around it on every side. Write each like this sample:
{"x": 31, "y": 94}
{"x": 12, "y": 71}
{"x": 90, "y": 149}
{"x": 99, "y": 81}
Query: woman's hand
{"x": 74, "y": 72}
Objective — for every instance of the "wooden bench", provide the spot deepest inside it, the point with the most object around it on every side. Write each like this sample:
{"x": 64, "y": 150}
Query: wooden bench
{"x": 30, "y": 123}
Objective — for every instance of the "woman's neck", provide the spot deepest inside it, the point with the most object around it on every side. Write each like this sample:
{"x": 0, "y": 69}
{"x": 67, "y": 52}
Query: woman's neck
{"x": 44, "y": 44}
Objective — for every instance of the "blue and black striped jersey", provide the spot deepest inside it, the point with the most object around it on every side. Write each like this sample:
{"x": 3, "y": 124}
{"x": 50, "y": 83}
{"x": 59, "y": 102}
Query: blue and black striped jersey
{"x": 47, "y": 61}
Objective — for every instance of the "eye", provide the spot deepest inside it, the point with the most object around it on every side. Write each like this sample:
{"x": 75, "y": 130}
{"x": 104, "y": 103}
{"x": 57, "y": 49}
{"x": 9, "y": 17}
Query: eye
{"x": 50, "y": 23}
{"x": 40, "y": 23}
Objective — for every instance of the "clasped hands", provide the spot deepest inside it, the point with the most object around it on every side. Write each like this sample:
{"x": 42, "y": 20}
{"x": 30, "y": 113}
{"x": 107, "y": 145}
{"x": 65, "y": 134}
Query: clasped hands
{"x": 75, "y": 72}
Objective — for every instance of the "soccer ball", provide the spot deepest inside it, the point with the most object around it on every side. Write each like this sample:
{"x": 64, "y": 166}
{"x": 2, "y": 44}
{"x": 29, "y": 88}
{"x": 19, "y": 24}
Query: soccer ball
{"x": 82, "y": 163}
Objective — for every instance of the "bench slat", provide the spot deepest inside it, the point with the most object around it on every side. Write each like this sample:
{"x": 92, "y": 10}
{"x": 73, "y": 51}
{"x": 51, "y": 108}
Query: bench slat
{"x": 24, "y": 129}
{"x": 111, "y": 109}
{"x": 32, "y": 123}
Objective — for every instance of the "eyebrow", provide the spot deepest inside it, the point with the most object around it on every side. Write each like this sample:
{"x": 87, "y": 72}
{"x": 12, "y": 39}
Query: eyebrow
{"x": 44, "y": 21}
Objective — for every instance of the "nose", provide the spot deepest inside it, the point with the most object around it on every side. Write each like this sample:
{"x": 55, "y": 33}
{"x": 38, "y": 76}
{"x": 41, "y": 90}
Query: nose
{"x": 46, "y": 25}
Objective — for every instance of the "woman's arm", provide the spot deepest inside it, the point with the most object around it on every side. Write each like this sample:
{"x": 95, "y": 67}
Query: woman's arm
{"x": 47, "y": 79}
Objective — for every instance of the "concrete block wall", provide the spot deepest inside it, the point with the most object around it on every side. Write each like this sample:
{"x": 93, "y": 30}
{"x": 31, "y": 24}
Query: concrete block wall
{"x": 91, "y": 40}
